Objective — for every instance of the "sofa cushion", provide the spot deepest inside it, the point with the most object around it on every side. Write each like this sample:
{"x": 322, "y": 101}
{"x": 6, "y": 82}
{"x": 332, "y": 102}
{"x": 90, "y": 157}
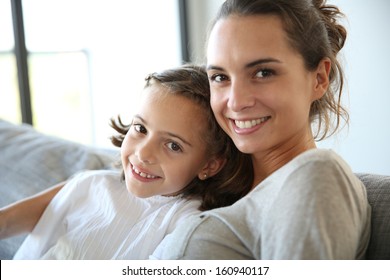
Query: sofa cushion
{"x": 31, "y": 161}
{"x": 378, "y": 193}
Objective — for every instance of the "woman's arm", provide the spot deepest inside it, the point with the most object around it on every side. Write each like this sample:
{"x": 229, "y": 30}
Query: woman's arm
{"x": 22, "y": 216}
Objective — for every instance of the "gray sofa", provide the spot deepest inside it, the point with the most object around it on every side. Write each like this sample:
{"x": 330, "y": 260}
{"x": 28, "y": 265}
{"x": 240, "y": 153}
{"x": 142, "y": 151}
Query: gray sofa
{"x": 31, "y": 161}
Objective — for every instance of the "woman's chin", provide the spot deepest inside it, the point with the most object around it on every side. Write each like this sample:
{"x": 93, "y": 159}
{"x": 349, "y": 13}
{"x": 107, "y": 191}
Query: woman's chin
{"x": 244, "y": 147}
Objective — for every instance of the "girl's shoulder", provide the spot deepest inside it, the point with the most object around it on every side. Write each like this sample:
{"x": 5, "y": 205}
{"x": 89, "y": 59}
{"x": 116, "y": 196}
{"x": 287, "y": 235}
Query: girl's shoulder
{"x": 94, "y": 176}
{"x": 82, "y": 182}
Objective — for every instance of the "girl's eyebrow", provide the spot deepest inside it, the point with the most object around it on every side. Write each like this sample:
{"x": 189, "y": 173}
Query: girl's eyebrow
{"x": 139, "y": 117}
{"x": 165, "y": 132}
{"x": 178, "y": 137}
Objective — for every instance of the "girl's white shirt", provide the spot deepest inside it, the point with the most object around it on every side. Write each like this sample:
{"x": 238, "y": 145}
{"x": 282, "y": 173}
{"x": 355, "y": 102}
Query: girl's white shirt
{"x": 95, "y": 217}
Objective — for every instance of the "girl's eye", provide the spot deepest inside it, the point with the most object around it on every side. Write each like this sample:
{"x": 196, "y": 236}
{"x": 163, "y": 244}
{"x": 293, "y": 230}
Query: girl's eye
{"x": 140, "y": 128}
{"x": 174, "y": 147}
{"x": 219, "y": 78}
{"x": 264, "y": 73}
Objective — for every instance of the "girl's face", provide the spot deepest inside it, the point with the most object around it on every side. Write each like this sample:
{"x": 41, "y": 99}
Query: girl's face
{"x": 163, "y": 150}
{"x": 260, "y": 90}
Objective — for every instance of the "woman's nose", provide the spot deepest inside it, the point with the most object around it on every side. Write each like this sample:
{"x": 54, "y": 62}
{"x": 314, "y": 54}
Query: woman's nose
{"x": 240, "y": 96}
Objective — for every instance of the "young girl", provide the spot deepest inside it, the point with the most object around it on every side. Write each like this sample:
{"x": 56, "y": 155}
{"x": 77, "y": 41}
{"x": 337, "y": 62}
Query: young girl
{"x": 176, "y": 161}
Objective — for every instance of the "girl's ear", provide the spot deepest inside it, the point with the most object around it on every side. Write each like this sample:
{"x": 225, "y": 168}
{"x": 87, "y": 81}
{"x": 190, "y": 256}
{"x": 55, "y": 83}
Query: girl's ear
{"x": 321, "y": 83}
{"x": 212, "y": 167}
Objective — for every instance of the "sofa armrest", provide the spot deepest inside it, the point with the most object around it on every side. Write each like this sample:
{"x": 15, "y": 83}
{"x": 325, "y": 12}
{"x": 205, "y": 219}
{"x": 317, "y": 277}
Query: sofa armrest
{"x": 378, "y": 194}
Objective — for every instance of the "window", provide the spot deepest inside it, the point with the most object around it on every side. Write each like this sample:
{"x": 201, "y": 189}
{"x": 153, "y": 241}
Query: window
{"x": 9, "y": 96}
{"x": 88, "y": 60}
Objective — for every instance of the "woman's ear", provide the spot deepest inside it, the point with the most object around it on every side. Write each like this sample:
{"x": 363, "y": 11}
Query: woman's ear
{"x": 212, "y": 167}
{"x": 321, "y": 83}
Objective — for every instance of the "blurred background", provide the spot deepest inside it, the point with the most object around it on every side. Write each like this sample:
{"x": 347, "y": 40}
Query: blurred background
{"x": 86, "y": 59}
{"x": 82, "y": 62}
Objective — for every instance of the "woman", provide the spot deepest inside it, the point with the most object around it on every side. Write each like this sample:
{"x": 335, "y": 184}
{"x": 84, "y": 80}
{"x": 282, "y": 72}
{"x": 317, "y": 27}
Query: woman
{"x": 275, "y": 86}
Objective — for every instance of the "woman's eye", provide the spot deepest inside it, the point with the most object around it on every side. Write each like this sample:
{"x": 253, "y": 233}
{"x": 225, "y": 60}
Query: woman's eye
{"x": 140, "y": 128}
{"x": 218, "y": 78}
{"x": 264, "y": 73}
{"x": 174, "y": 147}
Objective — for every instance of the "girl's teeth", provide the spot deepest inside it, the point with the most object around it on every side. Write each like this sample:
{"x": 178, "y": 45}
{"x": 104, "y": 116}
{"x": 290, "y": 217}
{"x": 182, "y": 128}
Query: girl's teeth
{"x": 144, "y": 175}
{"x": 250, "y": 124}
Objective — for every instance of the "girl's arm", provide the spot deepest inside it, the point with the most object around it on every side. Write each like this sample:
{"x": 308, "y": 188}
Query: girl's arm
{"x": 22, "y": 216}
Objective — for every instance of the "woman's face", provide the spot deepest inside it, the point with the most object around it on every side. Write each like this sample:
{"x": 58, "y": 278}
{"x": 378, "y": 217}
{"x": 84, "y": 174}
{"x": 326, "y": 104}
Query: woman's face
{"x": 163, "y": 150}
{"x": 260, "y": 90}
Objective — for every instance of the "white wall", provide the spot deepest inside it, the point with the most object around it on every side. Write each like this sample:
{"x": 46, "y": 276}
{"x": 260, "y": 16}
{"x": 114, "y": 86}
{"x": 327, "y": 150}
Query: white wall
{"x": 365, "y": 144}
{"x": 367, "y": 54}
{"x": 200, "y": 14}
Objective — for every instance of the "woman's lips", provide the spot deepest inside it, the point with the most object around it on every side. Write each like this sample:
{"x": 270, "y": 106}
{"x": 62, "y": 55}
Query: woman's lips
{"x": 250, "y": 123}
{"x": 248, "y": 126}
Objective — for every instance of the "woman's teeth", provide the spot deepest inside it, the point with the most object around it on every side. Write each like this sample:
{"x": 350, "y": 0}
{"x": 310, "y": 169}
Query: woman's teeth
{"x": 144, "y": 175}
{"x": 250, "y": 124}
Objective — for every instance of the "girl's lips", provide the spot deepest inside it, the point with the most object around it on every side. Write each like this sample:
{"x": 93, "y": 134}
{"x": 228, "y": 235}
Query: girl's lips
{"x": 143, "y": 175}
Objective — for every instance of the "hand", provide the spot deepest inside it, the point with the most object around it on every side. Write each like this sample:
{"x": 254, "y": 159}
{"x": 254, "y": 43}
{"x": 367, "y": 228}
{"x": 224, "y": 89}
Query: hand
{"x": 22, "y": 216}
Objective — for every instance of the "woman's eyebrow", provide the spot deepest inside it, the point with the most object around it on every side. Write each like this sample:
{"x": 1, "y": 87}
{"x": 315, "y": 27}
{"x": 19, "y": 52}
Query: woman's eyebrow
{"x": 212, "y": 67}
{"x": 248, "y": 65}
{"x": 262, "y": 61}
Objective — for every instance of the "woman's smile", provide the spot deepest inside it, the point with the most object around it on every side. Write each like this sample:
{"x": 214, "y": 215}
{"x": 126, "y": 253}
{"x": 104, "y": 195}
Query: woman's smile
{"x": 248, "y": 126}
{"x": 250, "y": 123}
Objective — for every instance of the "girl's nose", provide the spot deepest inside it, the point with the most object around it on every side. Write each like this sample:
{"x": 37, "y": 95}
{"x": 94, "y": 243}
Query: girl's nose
{"x": 146, "y": 153}
{"x": 240, "y": 97}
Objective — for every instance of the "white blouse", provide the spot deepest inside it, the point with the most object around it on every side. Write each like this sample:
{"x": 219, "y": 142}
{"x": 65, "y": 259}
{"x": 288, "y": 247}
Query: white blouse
{"x": 95, "y": 217}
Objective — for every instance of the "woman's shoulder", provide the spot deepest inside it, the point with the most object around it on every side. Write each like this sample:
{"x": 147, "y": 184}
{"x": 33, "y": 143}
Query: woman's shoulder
{"x": 314, "y": 171}
{"x": 319, "y": 161}
{"x": 319, "y": 155}
{"x": 322, "y": 170}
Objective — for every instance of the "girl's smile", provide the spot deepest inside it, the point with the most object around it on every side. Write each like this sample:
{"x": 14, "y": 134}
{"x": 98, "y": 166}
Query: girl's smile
{"x": 163, "y": 150}
{"x": 142, "y": 175}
